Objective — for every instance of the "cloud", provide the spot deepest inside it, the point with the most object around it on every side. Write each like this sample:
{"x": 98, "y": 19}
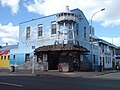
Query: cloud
{"x": 12, "y": 4}
{"x": 9, "y": 33}
{"x": 115, "y": 41}
{"x": 109, "y": 17}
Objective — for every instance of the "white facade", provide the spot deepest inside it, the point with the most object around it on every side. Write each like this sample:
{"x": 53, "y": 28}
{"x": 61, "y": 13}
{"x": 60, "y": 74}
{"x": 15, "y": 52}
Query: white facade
{"x": 106, "y": 54}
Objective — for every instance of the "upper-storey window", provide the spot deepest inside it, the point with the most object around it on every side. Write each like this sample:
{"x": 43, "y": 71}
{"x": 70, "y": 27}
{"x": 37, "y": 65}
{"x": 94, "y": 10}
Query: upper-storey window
{"x": 69, "y": 25}
{"x": 40, "y": 30}
{"x": 53, "y": 28}
{"x": 77, "y": 28}
{"x": 85, "y": 30}
{"x": 27, "y": 32}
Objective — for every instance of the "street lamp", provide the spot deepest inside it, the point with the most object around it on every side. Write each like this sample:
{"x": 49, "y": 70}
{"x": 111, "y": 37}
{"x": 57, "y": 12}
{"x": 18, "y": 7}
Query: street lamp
{"x": 92, "y": 35}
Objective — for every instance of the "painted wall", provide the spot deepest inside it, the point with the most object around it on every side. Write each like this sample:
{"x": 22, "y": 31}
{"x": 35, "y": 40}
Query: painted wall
{"x": 4, "y": 59}
{"x": 107, "y": 51}
{"x": 46, "y": 39}
{"x": 26, "y": 45}
{"x": 17, "y": 57}
{"x": 82, "y": 21}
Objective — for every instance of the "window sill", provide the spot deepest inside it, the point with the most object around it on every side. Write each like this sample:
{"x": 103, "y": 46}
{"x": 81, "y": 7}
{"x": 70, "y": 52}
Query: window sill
{"x": 53, "y": 35}
{"x": 40, "y": 37}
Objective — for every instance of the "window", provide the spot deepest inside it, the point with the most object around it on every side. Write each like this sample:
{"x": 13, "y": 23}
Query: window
{"x": 53, "y": 28}
{"x": 27, "y": 32}
{"x": 106, "y": 60}
{"x": 1, "y": 57}
{"x": 44, "y": 57}
{"x": 77, "y": 27}
{"x": 40, "y": 27}
{"x": 110, "y": 59}
{"x": 94, "y": 59}
{"x": 4, "y": 57}
{"x": 85, "y": 29}
{"x": 13, "y": 57}
{"x": 39, "y": 58}
{"x": 27, "y": 57}
{"x": 8, "y": 57}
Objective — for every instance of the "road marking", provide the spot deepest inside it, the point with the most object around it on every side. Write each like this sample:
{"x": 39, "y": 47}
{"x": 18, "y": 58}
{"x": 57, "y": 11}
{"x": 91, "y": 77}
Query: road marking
{"x": 11, "y": 84}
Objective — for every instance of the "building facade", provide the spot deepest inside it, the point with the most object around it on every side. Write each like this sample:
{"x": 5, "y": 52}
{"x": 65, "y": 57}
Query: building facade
{"x": 117, "y": 56}
{"x": 5, "y": 56}
{"x": 106, "y": 55}
{"x": 59, "y": 41}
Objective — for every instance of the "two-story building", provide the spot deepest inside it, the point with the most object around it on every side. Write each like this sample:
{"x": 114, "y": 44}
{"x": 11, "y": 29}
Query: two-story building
{"x": 55, "y": 39}
{"x": 58, "y": 41}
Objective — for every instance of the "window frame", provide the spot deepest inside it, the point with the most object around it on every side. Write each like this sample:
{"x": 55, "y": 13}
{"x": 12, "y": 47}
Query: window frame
{"x": 77, "y": 29}
{"x": 14, "y": 57}
{"x": 27, "y": 57}
{"x": 53, "y": 28}
{"x": 2, "y": 57}
{"x": 5, "y": 57}
{"x": 28, "y": 29}
{"x": 85, "y": 32}
{"x": 8, "y": 57}
{"x": 40, "y": 30}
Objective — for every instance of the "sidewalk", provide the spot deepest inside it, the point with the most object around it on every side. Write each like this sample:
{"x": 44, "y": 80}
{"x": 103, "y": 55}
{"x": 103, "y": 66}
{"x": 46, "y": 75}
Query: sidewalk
{"x": 53, "y": 73}
{"x": 75, "y": 74}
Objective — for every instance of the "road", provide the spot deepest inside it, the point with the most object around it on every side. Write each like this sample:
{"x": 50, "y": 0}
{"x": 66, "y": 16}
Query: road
{"x": 56, "y": 83}
{"x": 115, "y": 76}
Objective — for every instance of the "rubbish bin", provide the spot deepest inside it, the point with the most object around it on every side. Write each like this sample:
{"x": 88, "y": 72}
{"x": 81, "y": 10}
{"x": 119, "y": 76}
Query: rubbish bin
{"x": 12, "y": 69}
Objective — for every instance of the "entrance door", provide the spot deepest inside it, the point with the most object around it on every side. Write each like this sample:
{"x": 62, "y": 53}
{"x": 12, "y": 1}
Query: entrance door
{"x": 53, "y": 61}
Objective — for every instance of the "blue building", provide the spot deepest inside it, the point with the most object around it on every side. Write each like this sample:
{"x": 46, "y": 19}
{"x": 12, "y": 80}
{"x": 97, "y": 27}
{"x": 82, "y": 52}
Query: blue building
{"x": 117, "y": 56}
{"x": 59, "y": 41}
{"x": 104, "y": 54}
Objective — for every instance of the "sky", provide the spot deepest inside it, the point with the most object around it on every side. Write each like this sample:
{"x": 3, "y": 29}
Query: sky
{"x": 106, "y": 23}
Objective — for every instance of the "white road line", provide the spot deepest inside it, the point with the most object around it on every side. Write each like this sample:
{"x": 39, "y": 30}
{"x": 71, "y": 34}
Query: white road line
{"x": 11, "y": 84}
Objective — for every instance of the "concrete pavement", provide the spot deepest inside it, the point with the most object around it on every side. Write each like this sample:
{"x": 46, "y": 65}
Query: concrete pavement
{"x": 55, "y": 73}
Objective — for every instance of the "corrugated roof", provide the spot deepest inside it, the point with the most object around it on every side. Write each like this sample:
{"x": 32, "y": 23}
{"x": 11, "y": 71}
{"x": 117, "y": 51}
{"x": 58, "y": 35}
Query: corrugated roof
{"x": 8, "y": 47}
{"x": 105, "y": 42}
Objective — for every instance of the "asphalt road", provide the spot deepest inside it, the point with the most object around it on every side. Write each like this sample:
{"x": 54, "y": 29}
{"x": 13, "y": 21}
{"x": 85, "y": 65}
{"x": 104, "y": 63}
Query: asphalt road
{"x": 56, "y": 83}
{"x": 114, "y": 76}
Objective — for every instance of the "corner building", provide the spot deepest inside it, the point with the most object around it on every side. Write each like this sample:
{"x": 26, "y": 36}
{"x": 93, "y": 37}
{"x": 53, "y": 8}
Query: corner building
{"x": 58, "y": 41}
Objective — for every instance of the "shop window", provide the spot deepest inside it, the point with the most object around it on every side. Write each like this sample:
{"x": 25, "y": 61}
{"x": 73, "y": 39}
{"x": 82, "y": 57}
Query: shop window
{"x": 39, "y": 59}
{"x": 44, "y": 57}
